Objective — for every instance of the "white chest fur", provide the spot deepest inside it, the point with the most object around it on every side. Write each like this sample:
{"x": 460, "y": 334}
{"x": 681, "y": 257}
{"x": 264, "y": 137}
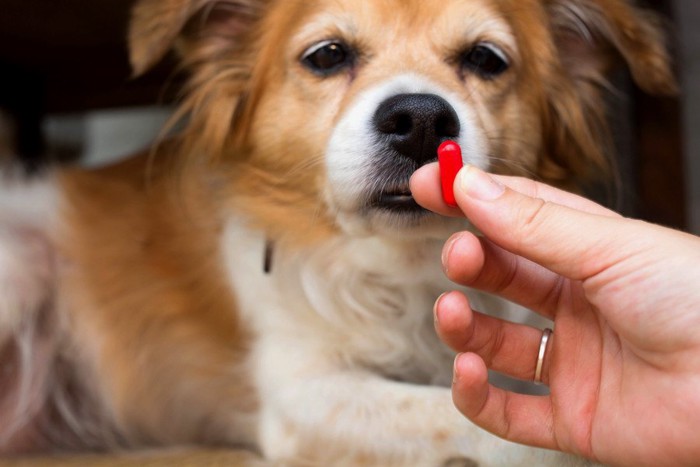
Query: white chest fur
{"x": 345, "y": 357}
{"x": 362, "y": 303}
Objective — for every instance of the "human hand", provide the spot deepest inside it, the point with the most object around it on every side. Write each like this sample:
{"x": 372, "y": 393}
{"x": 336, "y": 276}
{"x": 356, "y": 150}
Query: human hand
{"x": 623, "y": 364}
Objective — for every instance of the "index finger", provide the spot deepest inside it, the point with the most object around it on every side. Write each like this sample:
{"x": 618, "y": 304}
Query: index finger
{"x": 427, "y": 191}
{"x": 573, "y": 240}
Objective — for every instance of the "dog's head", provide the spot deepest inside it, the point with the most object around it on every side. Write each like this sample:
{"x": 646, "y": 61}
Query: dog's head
{"x": 322, "y": 109}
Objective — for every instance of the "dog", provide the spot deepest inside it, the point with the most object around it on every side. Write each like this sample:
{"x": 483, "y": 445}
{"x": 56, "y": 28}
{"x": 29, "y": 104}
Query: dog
{"x": 264, "y": 279}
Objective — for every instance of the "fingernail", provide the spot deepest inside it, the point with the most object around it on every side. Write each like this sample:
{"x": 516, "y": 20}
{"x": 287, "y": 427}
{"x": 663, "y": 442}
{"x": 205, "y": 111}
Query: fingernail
{"x": 435, "y": 307}
{"x": 447, "y": 250}
{"x": 436, "y": 317}
{"x": 479, "y": 185}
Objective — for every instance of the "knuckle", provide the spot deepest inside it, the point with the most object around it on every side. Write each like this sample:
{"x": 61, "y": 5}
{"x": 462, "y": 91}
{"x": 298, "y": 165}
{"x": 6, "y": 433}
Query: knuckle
{"x": 530, "y": 220}
{"x": 531, "y": 215}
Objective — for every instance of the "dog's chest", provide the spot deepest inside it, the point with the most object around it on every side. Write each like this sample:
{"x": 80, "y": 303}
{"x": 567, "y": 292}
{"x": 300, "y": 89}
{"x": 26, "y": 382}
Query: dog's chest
{"x": 370, "y": 320}
{"x": 364, "y": 304}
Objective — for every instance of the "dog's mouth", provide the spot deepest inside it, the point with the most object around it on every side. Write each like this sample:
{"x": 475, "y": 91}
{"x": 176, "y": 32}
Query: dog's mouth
{"x": 398, "y": 199}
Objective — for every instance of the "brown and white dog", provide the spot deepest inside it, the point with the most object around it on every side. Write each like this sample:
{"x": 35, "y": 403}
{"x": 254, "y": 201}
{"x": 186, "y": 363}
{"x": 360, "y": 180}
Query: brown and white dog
{"x": 135, "y": 309}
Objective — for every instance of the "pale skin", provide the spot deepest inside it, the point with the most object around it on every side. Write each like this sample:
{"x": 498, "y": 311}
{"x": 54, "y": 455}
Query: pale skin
{"x": 623, "y": 364}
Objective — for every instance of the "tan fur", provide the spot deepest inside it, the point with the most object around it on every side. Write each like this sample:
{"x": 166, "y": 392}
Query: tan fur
{"x": 162, "y": 308}
{"x": 142, "y": 282}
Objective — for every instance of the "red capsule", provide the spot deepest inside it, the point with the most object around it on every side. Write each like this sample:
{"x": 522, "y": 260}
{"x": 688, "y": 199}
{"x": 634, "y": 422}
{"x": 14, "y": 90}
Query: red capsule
{"x": 450, "y": 160}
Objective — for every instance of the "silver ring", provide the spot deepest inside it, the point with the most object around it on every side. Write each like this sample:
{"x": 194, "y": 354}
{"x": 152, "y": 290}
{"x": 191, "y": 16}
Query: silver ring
{"x": 546, "y": 334}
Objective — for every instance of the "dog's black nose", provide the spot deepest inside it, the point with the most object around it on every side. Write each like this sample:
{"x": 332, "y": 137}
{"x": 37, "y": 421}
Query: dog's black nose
{"x": 415, "y": 124}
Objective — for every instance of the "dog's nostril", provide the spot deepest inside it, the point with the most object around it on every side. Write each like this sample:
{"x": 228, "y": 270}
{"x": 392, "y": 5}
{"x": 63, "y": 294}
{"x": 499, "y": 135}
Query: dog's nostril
{"x": 447, "y": 127}
{"x": 414, "y": 125}
{"x": 395, "y": 123}
{"x": 404, "y": 125}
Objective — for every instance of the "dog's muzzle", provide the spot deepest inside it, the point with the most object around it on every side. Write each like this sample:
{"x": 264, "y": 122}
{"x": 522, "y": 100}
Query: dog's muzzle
{"x": 409, "y": 128}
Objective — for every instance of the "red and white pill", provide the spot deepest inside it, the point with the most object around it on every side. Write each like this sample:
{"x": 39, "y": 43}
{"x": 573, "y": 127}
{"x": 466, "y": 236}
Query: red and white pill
{"x": 450, "y": 161}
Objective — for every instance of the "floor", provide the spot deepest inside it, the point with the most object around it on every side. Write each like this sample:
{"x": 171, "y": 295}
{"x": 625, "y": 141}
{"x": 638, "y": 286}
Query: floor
{"x": 171, "y": 458}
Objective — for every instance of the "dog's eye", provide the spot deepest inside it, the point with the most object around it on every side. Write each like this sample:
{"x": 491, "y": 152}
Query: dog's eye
{"x": 327, "y": 57}
{"x": 486, "y": 60}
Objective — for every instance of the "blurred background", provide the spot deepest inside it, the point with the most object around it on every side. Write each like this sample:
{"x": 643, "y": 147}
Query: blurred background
{"x": 67, "y": 96}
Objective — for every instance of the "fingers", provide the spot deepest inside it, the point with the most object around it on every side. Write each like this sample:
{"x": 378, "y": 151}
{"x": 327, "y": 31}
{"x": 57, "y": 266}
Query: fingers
{"x": 563, "y": 232}
{"x": 505, "y": 347}
{"x": 425, "y": 186}
{"x": 478, "y": 263}
{"x": 426, "y": 189}
{"x": 548, "y": 193}
{"x": 570, "y": 242}
{"x": 509, "y": 348}
{"x": 516, "y": 417}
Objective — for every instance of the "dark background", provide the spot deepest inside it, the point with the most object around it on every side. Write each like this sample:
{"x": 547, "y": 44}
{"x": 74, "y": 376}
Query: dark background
{"x": 67, "y": 56}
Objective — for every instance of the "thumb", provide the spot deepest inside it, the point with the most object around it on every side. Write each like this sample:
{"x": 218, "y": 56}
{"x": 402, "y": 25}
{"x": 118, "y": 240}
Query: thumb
{"x": 573, "y": 243}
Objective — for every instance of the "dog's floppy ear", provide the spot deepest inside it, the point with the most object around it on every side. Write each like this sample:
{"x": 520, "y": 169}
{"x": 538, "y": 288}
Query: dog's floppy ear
{"x": 590, "y": 34}
{"x": 157, "y": 24}
{"x": 590, "y": 37}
